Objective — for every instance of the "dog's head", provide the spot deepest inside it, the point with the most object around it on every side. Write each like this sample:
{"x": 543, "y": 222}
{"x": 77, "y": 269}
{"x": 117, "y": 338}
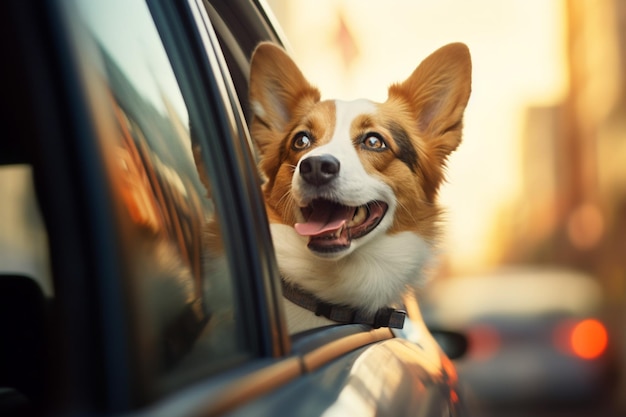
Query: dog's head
{"x": 341, "y": 173}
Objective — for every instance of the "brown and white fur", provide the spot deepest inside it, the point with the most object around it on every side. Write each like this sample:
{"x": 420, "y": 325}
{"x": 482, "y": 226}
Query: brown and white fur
{"x": 384, "y": 160}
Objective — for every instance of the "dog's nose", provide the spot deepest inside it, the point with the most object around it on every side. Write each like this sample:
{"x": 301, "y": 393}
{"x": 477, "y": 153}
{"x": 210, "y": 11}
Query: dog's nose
{"x": 320, "y": 169}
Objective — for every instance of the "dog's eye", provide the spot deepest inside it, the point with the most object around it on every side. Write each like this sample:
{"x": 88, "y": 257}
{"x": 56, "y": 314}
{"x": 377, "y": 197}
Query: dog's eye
{"x": 374, "y": 142}
{"x": 301, "y": 141}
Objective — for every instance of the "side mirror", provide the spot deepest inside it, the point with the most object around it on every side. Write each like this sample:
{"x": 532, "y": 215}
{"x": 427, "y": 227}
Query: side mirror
{"x": 453, "y": 344}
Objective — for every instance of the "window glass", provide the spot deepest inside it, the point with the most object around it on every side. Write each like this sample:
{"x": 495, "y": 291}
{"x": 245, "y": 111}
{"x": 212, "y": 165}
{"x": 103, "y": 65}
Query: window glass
{"x": 181, "y": 288}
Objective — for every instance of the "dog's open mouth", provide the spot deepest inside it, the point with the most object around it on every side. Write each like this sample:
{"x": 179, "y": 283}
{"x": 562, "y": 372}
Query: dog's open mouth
{"x": 332, "y": 226}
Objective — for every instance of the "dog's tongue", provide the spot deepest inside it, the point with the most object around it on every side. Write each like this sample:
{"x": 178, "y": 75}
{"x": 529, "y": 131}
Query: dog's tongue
{"x": 326, "y": 217}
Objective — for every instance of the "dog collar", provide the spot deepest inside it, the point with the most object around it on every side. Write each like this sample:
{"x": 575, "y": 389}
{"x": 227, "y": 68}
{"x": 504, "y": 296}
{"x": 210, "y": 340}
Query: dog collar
{"x": 385, "y": 317}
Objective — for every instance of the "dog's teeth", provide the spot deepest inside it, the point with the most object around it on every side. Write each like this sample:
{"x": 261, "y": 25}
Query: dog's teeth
{"x": 359, "y": 216}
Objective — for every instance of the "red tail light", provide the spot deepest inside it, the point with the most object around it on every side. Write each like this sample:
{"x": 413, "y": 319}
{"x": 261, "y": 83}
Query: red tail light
{"x": 587, "y": 339}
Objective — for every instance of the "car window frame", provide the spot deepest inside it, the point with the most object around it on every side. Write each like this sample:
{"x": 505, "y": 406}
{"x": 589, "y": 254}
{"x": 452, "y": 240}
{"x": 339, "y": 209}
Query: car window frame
{"x": 196, "y": 65}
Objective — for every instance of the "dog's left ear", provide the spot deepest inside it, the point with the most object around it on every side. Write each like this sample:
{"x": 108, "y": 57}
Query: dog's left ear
{"x": 438, "y": 92}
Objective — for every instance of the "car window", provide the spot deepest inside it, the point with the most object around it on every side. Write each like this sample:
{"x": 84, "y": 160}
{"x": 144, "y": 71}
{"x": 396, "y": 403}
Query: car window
{"x": 185, "y": 311}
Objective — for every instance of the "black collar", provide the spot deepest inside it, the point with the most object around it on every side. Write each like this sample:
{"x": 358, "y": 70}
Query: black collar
{"x": 385, "y": 317}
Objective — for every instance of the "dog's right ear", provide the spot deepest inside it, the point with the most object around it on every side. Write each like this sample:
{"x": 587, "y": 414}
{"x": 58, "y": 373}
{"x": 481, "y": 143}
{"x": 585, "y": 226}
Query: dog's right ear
{"x": 278, "y": 91}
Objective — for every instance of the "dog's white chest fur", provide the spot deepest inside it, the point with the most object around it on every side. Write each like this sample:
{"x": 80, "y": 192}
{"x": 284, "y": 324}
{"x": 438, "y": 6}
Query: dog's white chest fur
{"x": 374, "y": 276}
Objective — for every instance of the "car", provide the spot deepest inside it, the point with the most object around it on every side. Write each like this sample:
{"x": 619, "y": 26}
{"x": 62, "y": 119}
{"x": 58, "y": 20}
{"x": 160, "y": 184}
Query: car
{"x": 137, "y": 273}
{"x": 537, "y": 335}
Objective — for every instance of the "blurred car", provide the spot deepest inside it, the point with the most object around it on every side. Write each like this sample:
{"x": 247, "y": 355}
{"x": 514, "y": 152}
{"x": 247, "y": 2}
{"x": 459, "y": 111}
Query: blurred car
{"x": 137, "y": 274}
{"x": 536, "y": 335}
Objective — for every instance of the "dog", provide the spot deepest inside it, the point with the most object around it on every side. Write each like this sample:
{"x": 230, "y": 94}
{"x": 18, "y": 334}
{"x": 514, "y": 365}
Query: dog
{"x": 351, "y": 187}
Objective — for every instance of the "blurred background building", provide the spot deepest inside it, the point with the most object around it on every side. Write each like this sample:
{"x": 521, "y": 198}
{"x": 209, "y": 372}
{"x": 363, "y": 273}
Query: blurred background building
{"x": 541, "y": 175}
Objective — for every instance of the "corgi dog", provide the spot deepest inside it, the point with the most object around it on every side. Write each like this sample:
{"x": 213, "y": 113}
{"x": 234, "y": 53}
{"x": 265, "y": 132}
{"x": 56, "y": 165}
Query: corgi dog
{"x": 350, "y": 187}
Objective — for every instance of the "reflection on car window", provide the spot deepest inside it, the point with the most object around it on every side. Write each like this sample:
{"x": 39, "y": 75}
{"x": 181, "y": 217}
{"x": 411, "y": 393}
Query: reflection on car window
{"x": 181, "y": 288}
